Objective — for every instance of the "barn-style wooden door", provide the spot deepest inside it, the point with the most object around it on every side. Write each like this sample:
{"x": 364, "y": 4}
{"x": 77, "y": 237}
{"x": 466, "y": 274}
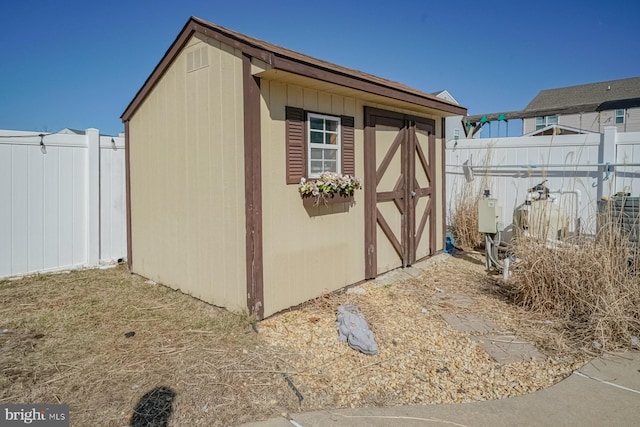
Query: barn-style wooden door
{"x": 399, "y": 181}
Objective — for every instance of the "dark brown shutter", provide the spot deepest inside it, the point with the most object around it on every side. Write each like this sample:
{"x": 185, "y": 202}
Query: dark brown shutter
{"x": 348, "y": 149}
{"x": 295, "y": 144}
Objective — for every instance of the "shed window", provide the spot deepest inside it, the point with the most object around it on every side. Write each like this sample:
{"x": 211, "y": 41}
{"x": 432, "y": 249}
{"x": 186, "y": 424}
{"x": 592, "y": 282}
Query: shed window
{"x": 620, "y": 116}
{"x": 316, "y": 143}
{"x": 324, "y": 144}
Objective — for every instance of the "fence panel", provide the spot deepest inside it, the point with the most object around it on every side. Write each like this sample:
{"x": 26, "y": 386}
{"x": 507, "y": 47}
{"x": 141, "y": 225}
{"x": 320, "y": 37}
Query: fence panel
{"x": 628, "y": 159}
{"x": 574, "y": 167}
{"x": 113, "y": 230}
{"x": 44, "y": 202}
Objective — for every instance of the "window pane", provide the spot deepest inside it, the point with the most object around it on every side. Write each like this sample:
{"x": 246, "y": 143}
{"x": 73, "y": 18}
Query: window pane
{"x": 330, "y": 166}
{"x": 619, "y": 119}
{"x": 539, "y": 121}
{"x": 316, "y": 123}
{"x": 330, "y": 154}
{"x": 331, "y": 138}
{"x": 316, "y": 137}
{"x": 316, "y": 167}
{"x": 619, "y": 112}
{"x": 552, "y": 120}
{"x": 316, "y": 154}
{"x": 332, "y": 125}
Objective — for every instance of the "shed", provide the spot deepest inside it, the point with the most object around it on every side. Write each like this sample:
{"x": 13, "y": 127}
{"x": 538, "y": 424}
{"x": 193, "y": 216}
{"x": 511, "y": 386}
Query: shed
{"x": 217, "y": 140}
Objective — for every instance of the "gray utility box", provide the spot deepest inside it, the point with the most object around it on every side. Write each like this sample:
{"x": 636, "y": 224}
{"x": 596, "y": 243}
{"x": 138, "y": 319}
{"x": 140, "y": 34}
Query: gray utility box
{"x": 489, "y": 215}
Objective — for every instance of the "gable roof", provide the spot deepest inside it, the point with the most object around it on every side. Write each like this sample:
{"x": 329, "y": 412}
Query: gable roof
{"x": 444, "y": 94}
{"x": 600, "y": 96}
{"x": 589, "y": 95}
{"x": 288, "y": 60}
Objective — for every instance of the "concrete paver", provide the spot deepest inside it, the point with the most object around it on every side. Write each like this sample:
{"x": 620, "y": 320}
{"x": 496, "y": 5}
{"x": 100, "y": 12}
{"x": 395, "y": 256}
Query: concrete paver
{"x": 467, "y": 322}
{"x": 508, "y": 348}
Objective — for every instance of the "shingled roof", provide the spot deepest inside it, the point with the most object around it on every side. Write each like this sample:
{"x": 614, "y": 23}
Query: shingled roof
{"x": 280, "y": 58}
{"x": 608, "y": 95}
{"x": 589, "y": 95}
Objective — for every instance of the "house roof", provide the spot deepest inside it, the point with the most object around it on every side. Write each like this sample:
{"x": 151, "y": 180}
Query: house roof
{"x": 444, "y": 94}
{"x": 294, "y": 62}
{"x": 600, "y": 96}
{"x": 588, "y": 95}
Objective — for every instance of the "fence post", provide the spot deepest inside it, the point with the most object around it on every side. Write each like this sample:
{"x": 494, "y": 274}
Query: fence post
{"x": 607, "y": 180}
{"x": 93, "y": 196}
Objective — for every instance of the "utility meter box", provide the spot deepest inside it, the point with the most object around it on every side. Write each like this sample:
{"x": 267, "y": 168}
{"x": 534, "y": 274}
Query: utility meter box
{"x": 489, "y": 215}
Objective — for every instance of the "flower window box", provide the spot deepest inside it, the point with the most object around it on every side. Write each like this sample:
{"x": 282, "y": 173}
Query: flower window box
{"x": 329, "y": 188}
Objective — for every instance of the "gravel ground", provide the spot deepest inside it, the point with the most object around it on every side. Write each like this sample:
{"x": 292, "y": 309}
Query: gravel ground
{"x": 421, "y": 359}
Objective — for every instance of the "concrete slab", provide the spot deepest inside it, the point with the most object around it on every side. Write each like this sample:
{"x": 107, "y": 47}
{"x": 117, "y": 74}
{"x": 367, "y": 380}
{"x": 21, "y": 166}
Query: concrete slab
{"x": 467, "y": 322}
{"x": 576, "y": 401}
{"x": 508, "y": 348}
{"x": 272, "y": 422}
{"x": 622, "y": 370}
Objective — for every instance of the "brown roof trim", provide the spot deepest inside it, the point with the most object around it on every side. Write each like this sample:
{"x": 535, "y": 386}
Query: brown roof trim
{"x": 291, "y": 61}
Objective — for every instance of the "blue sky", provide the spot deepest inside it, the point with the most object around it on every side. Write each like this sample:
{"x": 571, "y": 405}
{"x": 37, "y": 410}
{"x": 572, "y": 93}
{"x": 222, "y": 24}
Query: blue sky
{"x": 77, "y": 64}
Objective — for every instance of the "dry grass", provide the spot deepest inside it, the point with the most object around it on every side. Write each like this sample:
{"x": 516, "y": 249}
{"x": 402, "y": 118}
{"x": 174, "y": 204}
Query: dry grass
{"x": 66, "y": 343}
{"x": 592, "y": 284}
{"x": 464, "y": 218}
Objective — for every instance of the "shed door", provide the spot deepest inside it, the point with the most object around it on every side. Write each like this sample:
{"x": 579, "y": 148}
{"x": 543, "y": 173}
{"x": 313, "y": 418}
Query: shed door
{"x": 399, "y": 176}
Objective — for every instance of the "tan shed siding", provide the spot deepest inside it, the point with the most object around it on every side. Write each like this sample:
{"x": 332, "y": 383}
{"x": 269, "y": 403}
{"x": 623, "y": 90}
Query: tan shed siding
{"x": 308, "y": 252}
{"x": 187, "y": 179}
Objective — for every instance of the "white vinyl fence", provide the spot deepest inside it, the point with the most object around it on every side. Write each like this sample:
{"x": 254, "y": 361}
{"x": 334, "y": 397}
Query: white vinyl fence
{"x": 62, "y": 201}
{"x": 579, "y": 169}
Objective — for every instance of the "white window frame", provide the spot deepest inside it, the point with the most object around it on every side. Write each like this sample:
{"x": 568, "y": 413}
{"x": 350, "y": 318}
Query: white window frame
{"x": 545, "y": 121}
{"x": 621, "y": 116}
{"x": 337, "y": 146}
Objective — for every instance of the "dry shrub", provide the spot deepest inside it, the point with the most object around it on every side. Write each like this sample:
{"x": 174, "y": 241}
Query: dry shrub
{"x": 592, "y": 284}
{"x": 464, "y": 218}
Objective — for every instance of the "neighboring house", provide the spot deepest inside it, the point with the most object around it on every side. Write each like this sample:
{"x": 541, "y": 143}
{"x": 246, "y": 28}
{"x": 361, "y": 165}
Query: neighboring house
{"x": 589, "y": 107}
{"x": 453, "y": 125}
{"x": 218, "y": 139}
